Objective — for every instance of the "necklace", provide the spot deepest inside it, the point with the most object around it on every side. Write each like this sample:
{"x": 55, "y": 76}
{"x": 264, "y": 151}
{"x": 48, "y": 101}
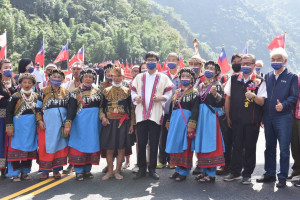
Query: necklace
{"x": 53, "y": 93}
{"x": 29, "y": 101}
{"x": 203, "y": 94}
{"x": 88, "y": 99}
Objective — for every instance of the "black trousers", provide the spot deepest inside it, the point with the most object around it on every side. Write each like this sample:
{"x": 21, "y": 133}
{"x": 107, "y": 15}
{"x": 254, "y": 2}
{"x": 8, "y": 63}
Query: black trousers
{"x": 147, "y": 130}
{"x": 17, "y": 165}
{"x": 163, "y": 157}
{"x": 244, "y": 148}
{"x": 227, "y": 137}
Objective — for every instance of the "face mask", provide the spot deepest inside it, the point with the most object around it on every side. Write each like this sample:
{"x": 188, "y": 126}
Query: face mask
{"x": 8, "y": 73}
{"x": 87, "y": 87}
{"x": 117, "y": 85}
{"x": 185, "y": 82}
{"x": 236, "y": 67}
{"x": 108, "y": 79}
{"x": 30, "y": 70}
{"x": 144, "y": 70}
{"x": 26, "y": 92}
{"x": 151, "y": 65}
{"x": 276, "y": 65}
{"x": 56, "y": 82}
{"x": 246, "y": 70}
{"x": 208, "y": 74}
{"x": 172, "y": 65}
{"x": 37, "y": 67}
{"x": 257, "y": 69}
{"x": 196, "y": 70}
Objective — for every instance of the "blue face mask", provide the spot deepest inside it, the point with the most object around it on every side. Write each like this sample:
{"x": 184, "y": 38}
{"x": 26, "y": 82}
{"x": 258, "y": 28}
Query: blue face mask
{"x": 196, "y": 70}
{"x": 144, "y": 70}
{"x": 37, "y": 67}
{"x": 172, "y": 65}
{"x": 246, "y": 70}
{"x": 107, "y": 79}
{"x": 276, "y": 65}
{"x": 30, "y": 70}
{"x": 56, "y": 82}
{"x": 8, "y": 73}
{"x": 151, "y": 65}
{"x": 185, "y": 82}
{"x": 208, "y": 74}
{"x": 257, "y": 69}
{"x": 86, "y": 87}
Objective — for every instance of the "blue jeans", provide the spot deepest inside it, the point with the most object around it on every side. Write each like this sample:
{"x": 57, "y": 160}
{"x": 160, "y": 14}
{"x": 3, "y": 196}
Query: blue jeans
{"x": 278, "y": 128}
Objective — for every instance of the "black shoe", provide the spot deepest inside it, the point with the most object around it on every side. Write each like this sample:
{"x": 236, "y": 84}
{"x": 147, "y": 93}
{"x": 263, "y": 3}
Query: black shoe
{"x": 140, "y": 175}
{"x": 297, "y": 184}
{"x": 291, "y": 176}
{"x": 154, "y": 175}
{"x": 281, "y": 183}
{"x": 266, "y": 179}
{"x": 232, "y": 177}
{"x": 246, "y": 181}
{"x": 197, "y": 171}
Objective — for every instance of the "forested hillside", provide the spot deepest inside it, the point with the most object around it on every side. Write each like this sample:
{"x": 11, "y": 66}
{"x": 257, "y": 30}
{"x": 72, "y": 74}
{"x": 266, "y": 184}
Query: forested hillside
{"x": 119, "y": 29}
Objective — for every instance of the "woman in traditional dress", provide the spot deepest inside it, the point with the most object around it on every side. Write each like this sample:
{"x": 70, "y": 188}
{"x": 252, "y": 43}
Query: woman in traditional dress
{"x": 84, "y": 125}
{"x": 7, "y": 88}
{"x": 182, "y": 125}
{"x": 21, "y": 129}
{"x": 53, "y": 143}
{"x": 208, "y": 140}
{"x": 117, "y": 118}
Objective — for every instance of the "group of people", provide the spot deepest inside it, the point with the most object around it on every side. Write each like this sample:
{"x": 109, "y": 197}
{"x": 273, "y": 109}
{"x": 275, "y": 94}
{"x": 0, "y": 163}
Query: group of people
{"x": 179, "y": 112}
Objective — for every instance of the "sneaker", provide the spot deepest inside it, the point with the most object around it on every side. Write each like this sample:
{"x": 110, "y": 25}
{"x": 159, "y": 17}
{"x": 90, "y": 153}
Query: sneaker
{"x": 135, "y": 169}
{"x": 281, "y": 183}
{"x": 297, "y": 184}
{"x": 232, "y": 177}
{"x": 223, "y": 170}
{"x": 246, "y": 181}
{"x": 160, "y": 165}
{"x": 266, "y": 179}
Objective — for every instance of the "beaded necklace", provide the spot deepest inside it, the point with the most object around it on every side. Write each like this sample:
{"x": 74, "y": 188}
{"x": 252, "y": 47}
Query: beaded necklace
{"x": 203, "y": 94}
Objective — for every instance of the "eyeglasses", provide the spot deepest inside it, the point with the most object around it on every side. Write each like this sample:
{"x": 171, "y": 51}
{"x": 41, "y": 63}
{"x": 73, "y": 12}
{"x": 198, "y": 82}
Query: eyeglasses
{"x": 247, "y": 64}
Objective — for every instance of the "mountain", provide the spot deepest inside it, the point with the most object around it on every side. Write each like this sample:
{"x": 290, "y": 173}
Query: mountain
{"x": 109, "y": 30}
{"x": 233, "y": 22}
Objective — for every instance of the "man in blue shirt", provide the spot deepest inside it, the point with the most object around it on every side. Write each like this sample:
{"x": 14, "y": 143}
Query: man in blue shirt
{"x": 282, "y": 89}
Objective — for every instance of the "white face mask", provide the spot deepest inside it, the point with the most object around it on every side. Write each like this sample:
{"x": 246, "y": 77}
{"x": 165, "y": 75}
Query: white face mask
{"x": 26, "y": 92}
{"x": 116, "y": 85}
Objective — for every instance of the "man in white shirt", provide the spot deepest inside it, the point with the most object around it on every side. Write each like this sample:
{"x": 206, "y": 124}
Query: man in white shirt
{"x": 149, "y": 92}
{"x": 39, "y": 74}
{"x": 246, "y": 93}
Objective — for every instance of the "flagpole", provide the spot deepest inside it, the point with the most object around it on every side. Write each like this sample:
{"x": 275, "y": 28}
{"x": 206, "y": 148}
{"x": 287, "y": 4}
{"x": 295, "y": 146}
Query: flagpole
{"x": 5, "y": 53}
{"x": 68, "y": 53}
{"x": 44, "y": 50}
{"x": 284, "y": 39}
{"x": 83, "y": 53}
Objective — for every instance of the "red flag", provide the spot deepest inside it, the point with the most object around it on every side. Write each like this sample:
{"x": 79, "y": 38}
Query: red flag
{"x": 181, "y": 63}
{"x": 277, "y": 42}
{"x": 117, "y": 62}
{"x": 127, "y": 66}
{"x": 3, "y": 45}
{"x": 63, "y": 54}
{"x": 223, "y": 62}
{"x": 79, "y": 57}
{"x": 165, "y": 66}
{"x": 40, "y": 56}
{"x": 159, "y": 66}
{"x": 131, "y": 65}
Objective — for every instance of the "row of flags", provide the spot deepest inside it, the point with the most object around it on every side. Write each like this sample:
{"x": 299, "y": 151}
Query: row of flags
{"x": 63, "y": 55}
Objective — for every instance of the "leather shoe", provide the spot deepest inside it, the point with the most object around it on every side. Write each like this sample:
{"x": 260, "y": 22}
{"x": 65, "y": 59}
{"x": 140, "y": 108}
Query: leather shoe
{"x": 281, "y": 183}
{"x": 266, "y": 179}
{"x": 154, "y": 175}
{"x": 139, "y": 175}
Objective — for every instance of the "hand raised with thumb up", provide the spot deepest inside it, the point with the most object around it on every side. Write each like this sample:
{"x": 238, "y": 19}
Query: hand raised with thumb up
{"x": 279, "y": 106}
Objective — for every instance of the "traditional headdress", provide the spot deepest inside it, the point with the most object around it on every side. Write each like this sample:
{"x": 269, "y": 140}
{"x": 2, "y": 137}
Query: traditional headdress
{"x": 216, "y": 65}
{"x": 196, "y": 58}
{"x": 108, "y": 66}
{"x": 88, "y": 71}
{"x": 187, "y": 70}
{"x": 117, "y": 71}
{"x": 27, "y": 76}
{"x": 57, "y": 71}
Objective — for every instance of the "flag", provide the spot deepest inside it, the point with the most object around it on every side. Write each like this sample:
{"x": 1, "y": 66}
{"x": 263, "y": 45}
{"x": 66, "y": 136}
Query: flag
{"x": 181, "y": 63}
{"x": 3, "y": 45}
{"x": 40, "y": 56}
{"x": 223, "y": 62}
{"x": 63, "y": 54}
{"x": 245, "y": 50}
{"x": 165, "y": 66}
{"x": 159, "y": 66}
{"x": 277, "y": 42}
{"x": 79, "y": 57}
{"x": 117, "y": 62}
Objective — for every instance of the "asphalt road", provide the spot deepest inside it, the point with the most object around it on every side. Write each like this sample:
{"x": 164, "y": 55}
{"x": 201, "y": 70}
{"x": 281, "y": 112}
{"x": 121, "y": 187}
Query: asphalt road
{"x": 147, "y": 188}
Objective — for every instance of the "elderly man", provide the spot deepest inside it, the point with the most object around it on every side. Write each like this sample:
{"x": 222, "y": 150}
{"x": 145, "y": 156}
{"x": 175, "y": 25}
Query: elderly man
{"x": 246, "y": 94}
{"x": 48, "y": 69}
{"x": 258, "y": 66}
{"x": 149, "y": 92}
{"x": 282, "y": 89}
{"x": 75, "y": 81}
{"x": 39, "y": 74}
{"x": 196, "y": 63}
{"x": 172, "y": 73}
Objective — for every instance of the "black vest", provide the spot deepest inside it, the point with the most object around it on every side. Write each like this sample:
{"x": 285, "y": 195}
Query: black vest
{"x": 238, "y": 112}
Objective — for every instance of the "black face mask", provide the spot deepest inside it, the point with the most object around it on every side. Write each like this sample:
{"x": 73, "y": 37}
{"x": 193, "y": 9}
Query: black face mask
{"x": 236, "y": 67}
